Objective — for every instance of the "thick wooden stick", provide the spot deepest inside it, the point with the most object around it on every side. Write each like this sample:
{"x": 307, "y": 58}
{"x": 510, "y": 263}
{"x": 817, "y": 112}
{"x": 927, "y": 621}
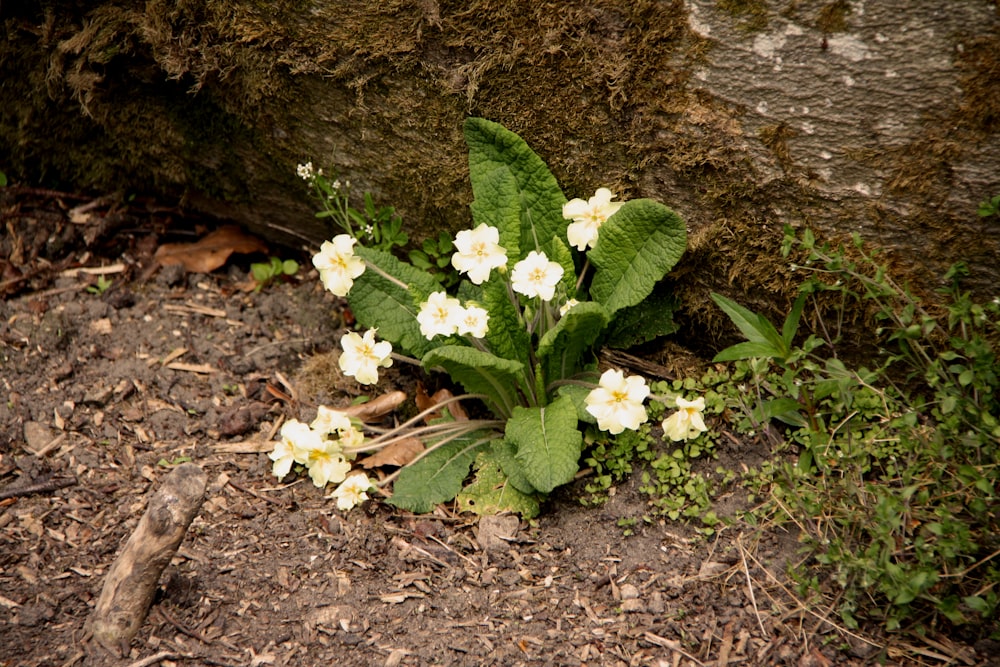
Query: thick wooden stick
{"x": 131, "y": 582}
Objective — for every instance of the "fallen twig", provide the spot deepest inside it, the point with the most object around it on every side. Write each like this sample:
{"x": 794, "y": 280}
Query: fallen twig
{"x": 46, "y": 486}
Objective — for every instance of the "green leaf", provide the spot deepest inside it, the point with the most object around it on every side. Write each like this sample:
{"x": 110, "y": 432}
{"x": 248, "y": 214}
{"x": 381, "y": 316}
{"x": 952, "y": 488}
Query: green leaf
{"x": 548, "y": 443}
{"x": 506, "y": 336}
{"x": 290, "y": 267}
{"x": 791, "y": 324}
{"x": 481, "y": 373}
{"x": 746, "y": 351}
{"x": 504, "y": 452}
{"x": 564, "y": 347}
{"x": 491, "y": 492}
{"x": 438, "y": 477}
{"x": 636, "y": 247}
{"x": 648, "y": 320}
{"x": 504, "y": 172}
{"x": 578, "y": 395}
{"x": 378, "y": 301}
{"x": 756, "y": 329}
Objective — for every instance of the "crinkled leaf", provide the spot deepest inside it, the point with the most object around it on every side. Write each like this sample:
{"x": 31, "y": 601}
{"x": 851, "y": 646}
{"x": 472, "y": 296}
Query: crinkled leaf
{"x": 497, "y": 204}
{"x": 565, "y": 346}
{"x": 438, "y": 477}
{"x": 578, "y": 395}
{"x": 504, "y": 170}
{"x": 548, "y": 443}
{"x": 636, "y": 247}
{"x": 377, "y": 301}
{"x": 504, "y": 451}
{"x": 643, "y": 322}
{"x": 480, "y": 373}
{"x": 492, "y": 493}
{"x": 506, "y": 336}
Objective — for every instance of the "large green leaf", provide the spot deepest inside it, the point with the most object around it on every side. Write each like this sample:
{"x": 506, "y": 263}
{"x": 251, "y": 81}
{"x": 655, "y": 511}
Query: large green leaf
{"x": 504, "y": 452}
{"x": 439, "y": 476}
{"x": 548, "y": 443}
{"x": 491, "y": 492}
{"x": 651, "y": 318}
{"x": 565, "y": 346}
{"x": 636, "y": 247}
{"x": 481, "y": 373}
{"x": 506, "y": 336}
{"x": 503, "y": 170}
{"x": 379, "y": 301}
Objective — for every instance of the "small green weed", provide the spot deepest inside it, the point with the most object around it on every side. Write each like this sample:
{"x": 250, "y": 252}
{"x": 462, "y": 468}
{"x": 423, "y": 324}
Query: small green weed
{"x": 102, "y": 285}
{"x": 989, "y": 207}
{"x": 265, "y": 273}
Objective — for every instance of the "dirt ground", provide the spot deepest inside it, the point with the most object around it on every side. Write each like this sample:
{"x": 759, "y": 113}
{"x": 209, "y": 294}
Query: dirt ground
{"x": 104, "y": 392}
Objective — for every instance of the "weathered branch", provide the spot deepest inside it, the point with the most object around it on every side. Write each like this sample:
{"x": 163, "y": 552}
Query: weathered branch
{"x": 131, "y": 582}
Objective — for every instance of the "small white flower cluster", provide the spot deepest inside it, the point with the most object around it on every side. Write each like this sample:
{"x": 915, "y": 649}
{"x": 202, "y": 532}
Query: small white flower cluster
{"x": 362, "y": 356}
{"x": 325, "y": 448}
{"x": 305, "y": 171}
{"x": 617, "y": 404}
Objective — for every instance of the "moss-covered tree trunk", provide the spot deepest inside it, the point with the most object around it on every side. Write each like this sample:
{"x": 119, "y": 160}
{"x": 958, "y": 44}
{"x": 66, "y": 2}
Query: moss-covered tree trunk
{"x": 744, "y": 115}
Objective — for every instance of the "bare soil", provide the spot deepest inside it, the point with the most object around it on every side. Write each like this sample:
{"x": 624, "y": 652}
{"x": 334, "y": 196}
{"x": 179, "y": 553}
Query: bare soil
{"x": 104, "y": 392}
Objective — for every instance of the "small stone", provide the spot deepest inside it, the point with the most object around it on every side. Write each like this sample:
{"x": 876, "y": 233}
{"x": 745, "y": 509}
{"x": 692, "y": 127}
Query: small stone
{"x": 629, "y": 592}
{"x": 633, "y": 606}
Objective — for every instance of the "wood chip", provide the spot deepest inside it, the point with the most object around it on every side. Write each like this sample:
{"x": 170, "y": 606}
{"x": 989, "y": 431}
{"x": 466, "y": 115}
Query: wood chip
{"x": 204, "y": 369}
{"x": 244, "y": 447}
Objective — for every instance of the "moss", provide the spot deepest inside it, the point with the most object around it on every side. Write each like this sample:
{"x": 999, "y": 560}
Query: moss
{"x": 832, "y": 17}
{"x": 753, "y": 14}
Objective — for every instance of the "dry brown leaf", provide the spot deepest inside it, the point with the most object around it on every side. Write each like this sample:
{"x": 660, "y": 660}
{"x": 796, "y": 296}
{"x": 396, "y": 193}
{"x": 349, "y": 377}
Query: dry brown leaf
{"x": 397, "y": 454}
{"x": 377, "y": 407}
{"x": 211, "y": 251}
{"x": 425, "y": 402}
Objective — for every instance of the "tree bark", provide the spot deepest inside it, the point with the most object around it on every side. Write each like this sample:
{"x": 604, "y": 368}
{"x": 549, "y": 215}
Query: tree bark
{"x": 743, "y": 115}
{"x": 131, "y": 582}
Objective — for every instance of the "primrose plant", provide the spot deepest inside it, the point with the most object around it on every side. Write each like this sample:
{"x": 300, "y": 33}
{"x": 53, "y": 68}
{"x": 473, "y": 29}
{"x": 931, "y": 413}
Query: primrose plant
{"x": 544, "y": 282}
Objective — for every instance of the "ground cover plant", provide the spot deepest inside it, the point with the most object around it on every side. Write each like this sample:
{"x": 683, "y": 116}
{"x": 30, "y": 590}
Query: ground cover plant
{"x": 893, "y": 483}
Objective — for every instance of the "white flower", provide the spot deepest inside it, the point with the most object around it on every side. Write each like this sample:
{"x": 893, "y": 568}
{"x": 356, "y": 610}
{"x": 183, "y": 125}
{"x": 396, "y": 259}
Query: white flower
{"x": 352, "y": 491}
{"x": 329, "y": 421}
{"x": 535, "y": 276}
{"x": 588, "y": 216}
{"x": 296, "y": 439}
{"x": 362, "y": 356}
{"x": 338, "y": 267}
{"x": 687, "y": 422}
{"x": 305, "y": 171}
{"x": 565, "y": 308}
{"x": 478, "y": 253}
{"x": 617, "y": 402}
{"x": 326, "y": 462}
{"x": 474, "y": 321}
{"x": 439, "y": 315}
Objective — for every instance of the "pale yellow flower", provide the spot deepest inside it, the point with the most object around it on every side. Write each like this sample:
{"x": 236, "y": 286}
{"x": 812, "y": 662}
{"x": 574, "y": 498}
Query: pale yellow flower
{"x": 588, "y": 216}
{"x": 478, "y": 253}
{"x": 362, "y": 356}
{"x": 352, "y": 491}
{"x": 474, "y": 321}
{"x": 566, "y": 307}
{"x": 535, "y": 276}
{"x": 617, "y": 402}
{"x": 687, "y": 422}
{"x": 326, "y": 462}
{"x": 439, "y": 315}
{"x": 337, "y": 265}
{"x": 296, "y": 439}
